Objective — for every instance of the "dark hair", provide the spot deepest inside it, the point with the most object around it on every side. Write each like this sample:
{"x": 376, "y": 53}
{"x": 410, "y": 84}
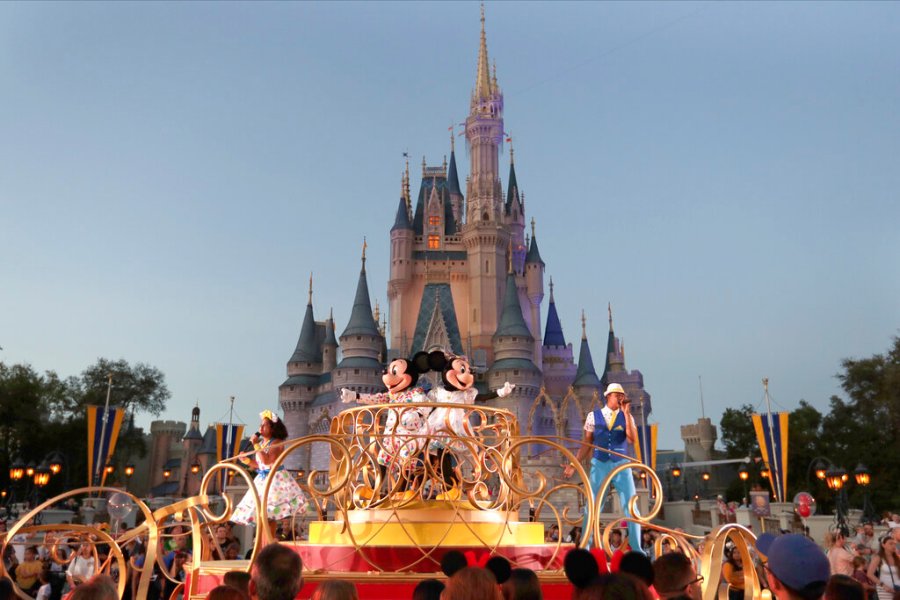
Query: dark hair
{"x": 335, "y": 589}
{"x": 453, "y": 561}
{"x": 428, "y": 589}
{"x": 227, "y": 592}
{"x": 671, "y": 572}
{"x": 472, "y": 583}
{"x": 500, "y": 568}
{"x": 637, "y": 564}
{"x": 843, "y": 587}
{"x": 278, "y": 430}
{"x": 615, "y": 586}
{"x": 99, "y": 587}
{"x": 238, "y": 579}
{"x": 580, "y": 567}
{"x": 6, "y": 588}
{"x": 277, "y": 573}
{"x": 523, "y": 584}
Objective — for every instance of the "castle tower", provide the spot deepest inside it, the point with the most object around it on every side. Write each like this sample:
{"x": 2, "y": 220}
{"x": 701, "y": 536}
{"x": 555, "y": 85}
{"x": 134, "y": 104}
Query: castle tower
{"x": 558, "y": 363}
{"x": 632, "y": 381}
{"x": 330, "y": 347}
{"x": 402, "y": 241}
{"x": 165, "y": 436}
{"x": 484, "y": 237}
{"x": 361, "y": 344}
{"x": 514, "y": 215}
{"x": 534, "y": 289}
{"x": 586, "y": 383}
{"x": 189, "y": 484}
{"x": 456, "y": 195}
{"x": 513, "y": 347}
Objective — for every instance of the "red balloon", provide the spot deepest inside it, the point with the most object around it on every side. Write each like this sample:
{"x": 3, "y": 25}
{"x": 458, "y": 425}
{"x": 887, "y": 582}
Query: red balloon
{"x": 803, "y": 510}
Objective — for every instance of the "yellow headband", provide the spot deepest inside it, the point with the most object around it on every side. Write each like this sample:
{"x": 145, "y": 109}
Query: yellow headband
{"x": 268, "y": 414}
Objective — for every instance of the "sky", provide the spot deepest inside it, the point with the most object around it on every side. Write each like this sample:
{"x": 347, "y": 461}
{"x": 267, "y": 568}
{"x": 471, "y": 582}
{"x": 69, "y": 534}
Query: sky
{"x": 724, "y": 174}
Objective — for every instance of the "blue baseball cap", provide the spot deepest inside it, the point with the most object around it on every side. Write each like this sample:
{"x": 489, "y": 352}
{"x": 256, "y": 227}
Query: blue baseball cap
{"x": 794, "y": 559}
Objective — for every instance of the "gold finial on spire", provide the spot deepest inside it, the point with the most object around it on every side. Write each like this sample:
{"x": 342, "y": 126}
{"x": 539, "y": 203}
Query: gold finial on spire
{"x": 551, "y": 288}
{"x": 445, "y": 163}
{"x": 609, "y": 308}
{"x": 483, "y": 79}
{"x": 494, "y": 75}
{"x": 377, "y": 312}
{"x": 512, "y": 153}
{"x": 532, "y": 227}
{"x": 583, "y": 326}
{"x": 452, "y": 138}
{"x": 365, "y": 245}
{"x": 310, "y": 289}
{"x": 509, "y": 256}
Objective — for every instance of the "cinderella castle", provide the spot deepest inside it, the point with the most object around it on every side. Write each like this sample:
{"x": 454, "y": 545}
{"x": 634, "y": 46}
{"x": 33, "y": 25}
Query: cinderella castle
{"x": 466, "y": 276}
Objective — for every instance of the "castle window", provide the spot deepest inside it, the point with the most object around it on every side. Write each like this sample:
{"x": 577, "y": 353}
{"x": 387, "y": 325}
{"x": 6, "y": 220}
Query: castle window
{"x": 434, "y": 242}
{"x": 356, "y": 371}
{"x": 485, "y": 217}
{"x": 434, "y": 220}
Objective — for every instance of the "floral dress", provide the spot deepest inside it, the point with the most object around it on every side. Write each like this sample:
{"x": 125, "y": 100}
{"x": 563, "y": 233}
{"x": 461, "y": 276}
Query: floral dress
{"x": 285, "y": 497}
{"x": 445, "y": 420}
{"x": 404, "y": 425}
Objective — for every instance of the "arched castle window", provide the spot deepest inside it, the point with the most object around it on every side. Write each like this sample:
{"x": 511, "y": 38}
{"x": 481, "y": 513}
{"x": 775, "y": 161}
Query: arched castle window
{"x": 434, "y": 220}
{"x": 485, "y": 217}
{"x": 434, "y": 242}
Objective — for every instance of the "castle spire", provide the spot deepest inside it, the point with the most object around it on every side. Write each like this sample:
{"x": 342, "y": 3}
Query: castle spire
{"x": 553, "y": 334}
{"x": 365, "y": 245}
{"x": 483, "y": 89}
{"x": 362, "y": 321}
{"x": 309, "y": 301}
{"x": 534, "y": 255}
{"x": 586, "y": 375}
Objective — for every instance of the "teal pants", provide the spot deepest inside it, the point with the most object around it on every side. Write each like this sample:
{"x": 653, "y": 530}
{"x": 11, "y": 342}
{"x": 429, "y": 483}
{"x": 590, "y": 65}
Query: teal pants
{"x": 624, "y": 483}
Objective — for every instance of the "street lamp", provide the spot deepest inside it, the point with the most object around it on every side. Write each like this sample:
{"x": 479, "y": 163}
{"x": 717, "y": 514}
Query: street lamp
{"x": 764, "y": 472}
{"x": 195, "y": 467}
{"x": 42, "y": 475}
{"x": 29, "y": 470}
{"x": 109, "y": 469}
{"x": 821, "y": 470}
{"x": 166, "y": 474}
{"x": 129, "y": 470}
{"x": 835, "y": 478}
{"x": 17, "y": 469}
{"x": 863, "y": 479}
{"x": 55, "y": 461}
{"x": 744, "y": 475}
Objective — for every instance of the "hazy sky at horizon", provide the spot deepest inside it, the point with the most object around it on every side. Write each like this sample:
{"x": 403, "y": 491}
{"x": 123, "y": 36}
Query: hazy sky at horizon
{"x": 725, "y": 174}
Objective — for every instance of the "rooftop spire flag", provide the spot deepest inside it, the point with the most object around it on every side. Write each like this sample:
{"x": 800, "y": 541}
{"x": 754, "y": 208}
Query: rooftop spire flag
{"x": 646, "y": 444}
{"x": 102, "y": 436}
{"x": 228, "y": 442}
{"x": 772, "y": 435}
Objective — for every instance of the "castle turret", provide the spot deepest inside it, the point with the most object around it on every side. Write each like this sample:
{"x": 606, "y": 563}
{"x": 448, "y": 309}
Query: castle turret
{"x": 189, "y": 483}
{"x": 534, "y": 286}
{"x": 484, "y": 236}
{"x": 456, "y": 195}
{"x": 514, "y": 215}
{"x": 513, "y": 347}
{"x": 402, "y": 242}
{"x": 330, "y": 346}
{"x": 632, "y": 381}
{"x": 586, "y": 382}
{"x": 558, "y": 363}
{"x": 361, "y": 344}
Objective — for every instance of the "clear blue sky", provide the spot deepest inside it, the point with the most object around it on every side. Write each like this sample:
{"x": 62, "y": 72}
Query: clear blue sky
{"x": 725, "y": 174}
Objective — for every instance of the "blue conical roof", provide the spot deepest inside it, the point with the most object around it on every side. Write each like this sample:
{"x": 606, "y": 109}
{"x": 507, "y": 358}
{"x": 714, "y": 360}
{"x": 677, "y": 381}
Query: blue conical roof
{"x": 402, "y": 219}
{"x": 329, "y": 332}
{"x": 534, "y": 255}
{"x": 553, "y": 334}
{"x": 307, "y": 349}
{"x": 452, "y": 177}
{"x": 361, "y": 320}
{"x": 511, "y": 320}
{"x": 586, "y": 374}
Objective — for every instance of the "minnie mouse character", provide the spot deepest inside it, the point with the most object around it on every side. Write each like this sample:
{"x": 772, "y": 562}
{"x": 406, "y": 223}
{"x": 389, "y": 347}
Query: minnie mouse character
{"x": 459, "y": 382}
{"x": 406, "y": 429}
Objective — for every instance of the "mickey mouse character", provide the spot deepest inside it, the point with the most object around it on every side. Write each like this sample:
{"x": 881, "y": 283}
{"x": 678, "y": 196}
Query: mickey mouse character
{"x": 404, "y": 426}
{"x": 459, "y": 382}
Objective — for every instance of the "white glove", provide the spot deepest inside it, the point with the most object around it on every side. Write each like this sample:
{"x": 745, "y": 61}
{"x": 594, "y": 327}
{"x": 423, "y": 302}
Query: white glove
{"x": 347, "y": 396}
{"x": 506, "y": 390}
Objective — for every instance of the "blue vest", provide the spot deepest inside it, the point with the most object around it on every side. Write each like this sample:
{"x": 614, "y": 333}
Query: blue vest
{"x": 611, "y": 439}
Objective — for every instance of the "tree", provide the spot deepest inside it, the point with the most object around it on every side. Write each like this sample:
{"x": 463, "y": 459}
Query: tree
{"x": 140, "y": 388}
{"x": 737, "y": 432}
{"x": 804, "y": 434}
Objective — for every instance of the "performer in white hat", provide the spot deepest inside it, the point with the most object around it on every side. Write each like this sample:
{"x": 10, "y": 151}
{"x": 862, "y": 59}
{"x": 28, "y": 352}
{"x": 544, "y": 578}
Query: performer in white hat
{"x": 610, "y": 428}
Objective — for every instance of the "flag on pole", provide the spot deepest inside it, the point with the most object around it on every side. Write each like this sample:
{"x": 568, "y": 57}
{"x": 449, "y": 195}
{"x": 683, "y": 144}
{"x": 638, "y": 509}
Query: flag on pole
{"x": 228, "y": 441}
{"x": 773, "y": 444}
{"x": 646, "y": 444}
{"x": 102, "y": 441}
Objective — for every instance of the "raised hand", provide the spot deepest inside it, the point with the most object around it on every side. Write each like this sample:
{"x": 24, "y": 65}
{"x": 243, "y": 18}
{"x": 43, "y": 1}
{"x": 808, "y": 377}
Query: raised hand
{"x": 506, "y": 390}
{"x": 348, "y": 396}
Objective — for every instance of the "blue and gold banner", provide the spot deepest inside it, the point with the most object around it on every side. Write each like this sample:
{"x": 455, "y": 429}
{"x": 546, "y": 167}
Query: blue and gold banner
{"x": 101, "y": 440}
{"x": 228, "y": 442}
{"x": 646, "y": 444}
{"x": 773, "y": 444}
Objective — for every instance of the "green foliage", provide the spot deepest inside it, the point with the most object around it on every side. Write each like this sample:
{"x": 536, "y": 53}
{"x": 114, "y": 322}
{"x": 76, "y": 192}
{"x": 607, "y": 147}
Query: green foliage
{"x": 43, "y": 413}
{"x": 736, "y": 432}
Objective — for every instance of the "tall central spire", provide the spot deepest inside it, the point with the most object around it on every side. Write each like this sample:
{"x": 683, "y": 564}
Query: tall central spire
{"x": 483, "y": 88}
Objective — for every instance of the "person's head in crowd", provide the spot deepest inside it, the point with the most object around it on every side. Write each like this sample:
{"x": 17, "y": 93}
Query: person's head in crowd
{"x": 232, "y": 551}
{"x": 734, "y": 558}
{"x": 859, "y": 563}
{"x": 499, "y": 568}
{"x": 796, "y": 569}
{"x": 674, "y": 577}
{"x": 844, "y": 587}
{"x": 221, "y": 534}
{"x": 615, "y": 538}
{"x": 276, "y": 574}
{"x": 44, "y": 576}
{"x": 99, "y": 587}
{"x": 580, "y": 567}
{"x": 887, "y": 547}
{"x": 335, "y": 589}
{"x": 453, "y": 561}
{"x": 614, "y": 586}
{"x": 895, "y": 533}
{"x": 472, "y": 583}
{"x": 428, "y": 589}
{"x": 638, "y": 565}
{"x": 238, "y": 579}
{"x": 227, "y": 592}
{"x": 522, "y": 584}
{"x": 840, "y": 536}
{"x": 6, "y": 589}
{"x": 868, "y": 529}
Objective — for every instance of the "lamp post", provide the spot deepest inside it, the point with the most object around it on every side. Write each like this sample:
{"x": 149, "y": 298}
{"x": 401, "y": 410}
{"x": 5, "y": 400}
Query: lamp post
{"x": 676, "y": 474}
{"x": 744, "y": 475}
{"x": 863, "y": 479}
{"x": 835, "y": 478}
